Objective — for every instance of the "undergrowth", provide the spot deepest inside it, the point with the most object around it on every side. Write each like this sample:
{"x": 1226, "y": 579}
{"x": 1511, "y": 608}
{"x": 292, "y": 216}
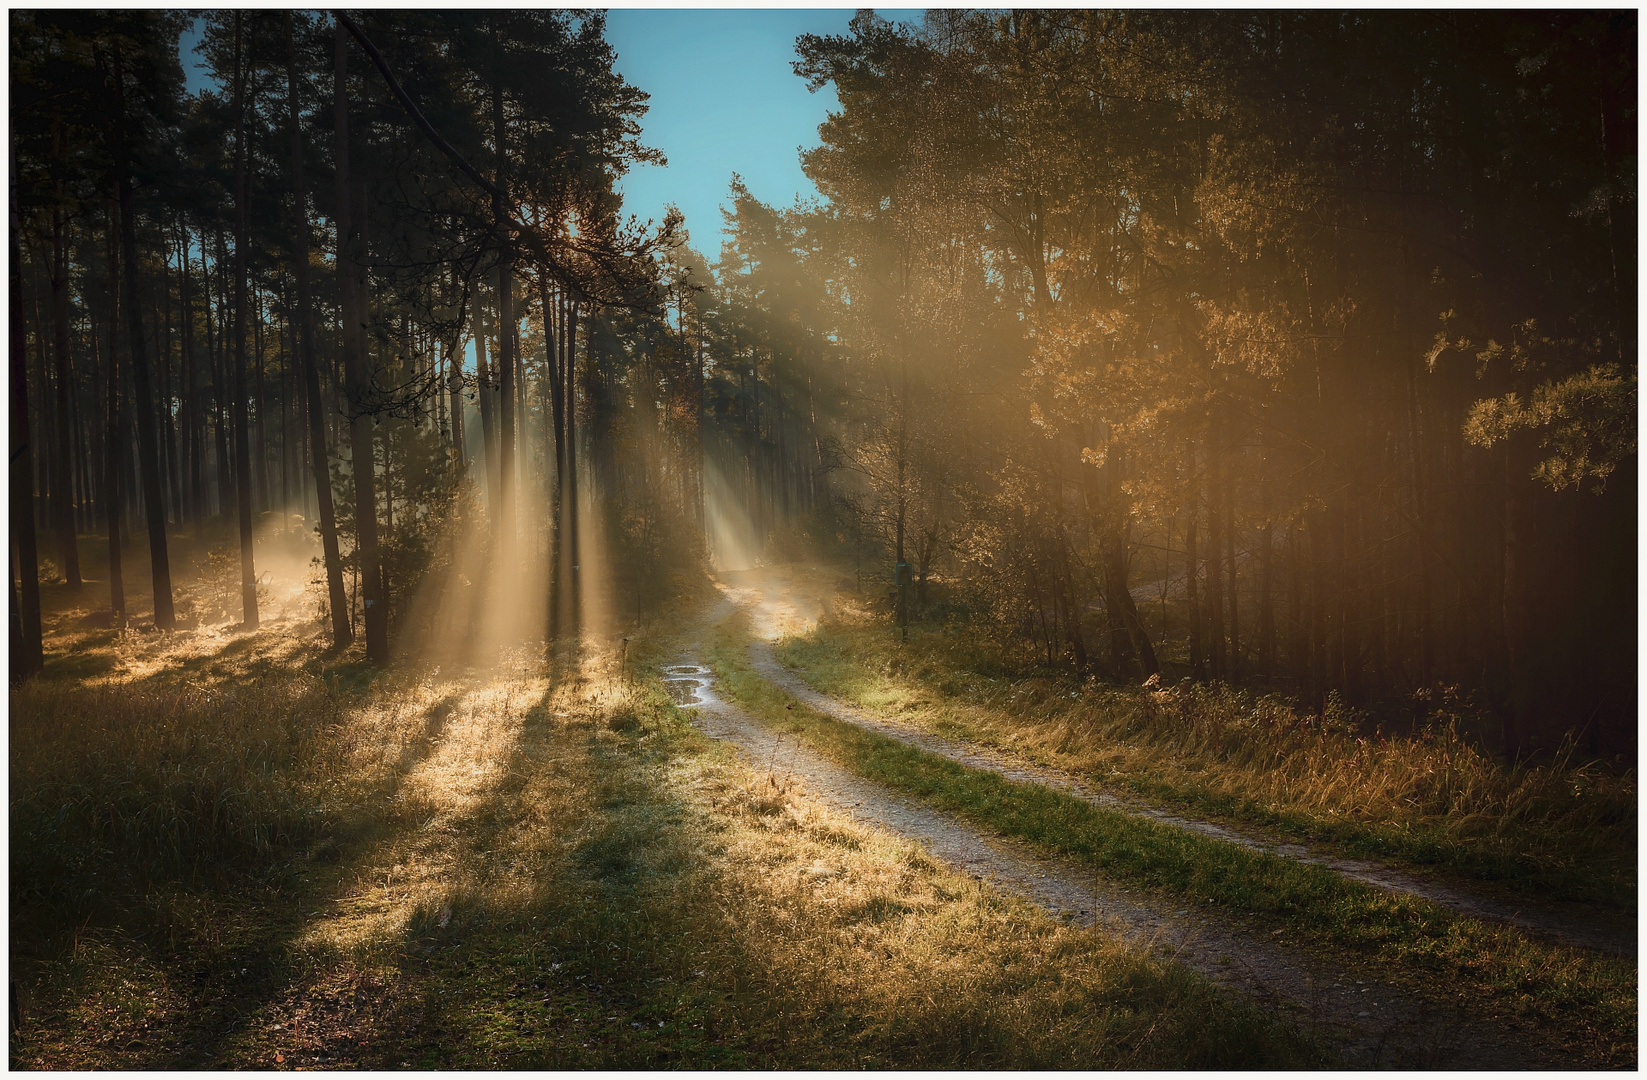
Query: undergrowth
{"x": 1561, "y": 828}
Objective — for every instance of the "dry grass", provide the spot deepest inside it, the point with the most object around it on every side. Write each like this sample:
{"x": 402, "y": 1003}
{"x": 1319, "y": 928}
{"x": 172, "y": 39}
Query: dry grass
{"x": 1431, "y": 797}
{"x": 1589, "y": 998}
{"x": 245, "y": 853}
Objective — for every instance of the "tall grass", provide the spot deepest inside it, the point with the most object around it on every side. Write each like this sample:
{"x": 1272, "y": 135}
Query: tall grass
{"x": 142, "y": 781}
{"x": 1430, "y": 796}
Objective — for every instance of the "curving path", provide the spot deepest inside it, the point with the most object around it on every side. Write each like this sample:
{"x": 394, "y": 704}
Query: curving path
{"x": 1373, "y": 1022}
{"x": 1578, "y": 925}
{"x": 1604, "y": 932}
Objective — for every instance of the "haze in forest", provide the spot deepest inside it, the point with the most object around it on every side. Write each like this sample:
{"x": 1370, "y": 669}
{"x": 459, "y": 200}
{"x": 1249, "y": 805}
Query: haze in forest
{"x": 1198, "y": 446}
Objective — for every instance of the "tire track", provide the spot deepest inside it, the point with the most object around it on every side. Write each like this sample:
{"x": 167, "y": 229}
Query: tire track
{"x": 1373, "y": 1022}
{"x": 1596, "y": 931}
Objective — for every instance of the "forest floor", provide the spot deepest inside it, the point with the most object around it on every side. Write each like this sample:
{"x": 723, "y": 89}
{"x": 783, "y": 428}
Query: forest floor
{"x": 240, "y": 850}
{"x": 244, "y": 850}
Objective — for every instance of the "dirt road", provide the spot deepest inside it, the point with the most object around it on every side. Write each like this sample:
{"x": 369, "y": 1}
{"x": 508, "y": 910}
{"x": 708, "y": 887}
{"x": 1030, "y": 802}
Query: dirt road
{"x": 1372, "y": 1022}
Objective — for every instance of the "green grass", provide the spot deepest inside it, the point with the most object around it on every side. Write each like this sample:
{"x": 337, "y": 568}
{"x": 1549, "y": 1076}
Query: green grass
{"x": 1557, "y": 830}
{"x": 1591, "y": 996}
{"x": 264, "y": 856}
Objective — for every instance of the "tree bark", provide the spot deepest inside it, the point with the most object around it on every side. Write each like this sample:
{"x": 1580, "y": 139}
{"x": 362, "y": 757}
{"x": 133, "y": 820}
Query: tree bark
{"x": 355, "y": 370}
{"x": 573, "y": 545}
{"x": 556, "y": 343}
{"x": 488, "y": 420}
{"x": 1198, "y": 655}
{"x": 67, "y": 543}
{"x": 111, "y": 438}
{"x": 1215, "y": 577}
{"x": 242, "y": 433}
{"x": 337, "y": 599}
{"x": 27, "y": 651}
{"x": 506, "y": 329}
{"x": 148, "y": 448}
{"x": 1234, "y": 576}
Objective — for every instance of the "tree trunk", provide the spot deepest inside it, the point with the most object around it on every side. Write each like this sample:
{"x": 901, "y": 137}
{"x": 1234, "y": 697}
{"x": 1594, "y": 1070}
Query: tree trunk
{"x": 556, "y": 343}
{"x": 506, "y": 330}
{"x": 337, "y": 600}
{"x": 148, "y": 448}
{"x": 27, "y": 650}
{"x": 192, "y": 486}
{"x": 506, "y": 399}
{"x": 355, "y": 370}
{"x": 1198, "y": 657}
{"x": 111, "y": 438}
{"x": 262, "y": 456}
{"x": 1235, "y": 577}
{"x": 242, "y": 433}
{"x": 1215, "y": 579}
{"x": 1266, "y": 582}
{"x": 573, "y": 545}
{"x": 484, "y": 390}
{"x": 67, "y": 543}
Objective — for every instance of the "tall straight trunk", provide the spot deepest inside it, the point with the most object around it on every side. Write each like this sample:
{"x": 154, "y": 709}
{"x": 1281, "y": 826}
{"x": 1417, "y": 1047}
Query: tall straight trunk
{"x": 192, "y": 486}
{"x": 1426, "y": 634}
{"x": 1130, "y": 641}
{"x": 1215, "y": 560}
{"x": 168, "y": 428}
{"x": 111, "y": 439}
{"x": 454, "y": 386}
{"x": 215, "y": 348}
{"x": 1235, "y": 577}
{"x": 1266, "y": 582}
{"x": 262, "y": 456}
{"x": 67, "y": 545}
{"x": 484, "y": 390}
{"x": 506, "y": 327}
{"x": 46, "y": 479}
{"x": 1516, "y": 628}
{"x": 242, "y": 433}
{"x": 1298, "y": 653}
{"x": 437, "y": 380}
{"x": 1197, "y": 650}
{"x": 82, "y": 458}
{"x": 1320, "y": 654}
{"x": 27, "y": 649}
{"x": 554, "y": 323}
{"x": 352, "y": 296}
{"x": 1339, "y": 609}
{"x": 288, "y": 349}
{"x": 573, "y": 544}
{"x": 148, "y": 439}
{"x": 506, "y": 399}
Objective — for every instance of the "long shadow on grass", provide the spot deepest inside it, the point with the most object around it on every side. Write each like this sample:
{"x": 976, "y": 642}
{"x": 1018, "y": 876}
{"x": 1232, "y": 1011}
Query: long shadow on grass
{"x": 310, "y": 883}
{"x": 234, "y": 957}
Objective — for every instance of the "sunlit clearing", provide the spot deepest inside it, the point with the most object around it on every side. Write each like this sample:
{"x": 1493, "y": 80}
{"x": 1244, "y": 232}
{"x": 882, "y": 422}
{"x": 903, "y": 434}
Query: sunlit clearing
{"x": 781, "y": 601}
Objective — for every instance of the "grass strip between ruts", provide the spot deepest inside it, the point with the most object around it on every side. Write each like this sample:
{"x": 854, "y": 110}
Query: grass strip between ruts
{"x": 846, "y": 659}
{"x": 1592, "y": 995}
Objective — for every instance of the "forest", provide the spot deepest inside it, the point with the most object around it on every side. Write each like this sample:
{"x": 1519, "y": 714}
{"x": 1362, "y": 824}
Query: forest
{"x": 458, "y": 623}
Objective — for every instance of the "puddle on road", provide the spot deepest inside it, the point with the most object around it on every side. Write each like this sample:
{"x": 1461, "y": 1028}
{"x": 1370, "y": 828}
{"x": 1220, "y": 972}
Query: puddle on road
{"x": 687, "y": 684}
